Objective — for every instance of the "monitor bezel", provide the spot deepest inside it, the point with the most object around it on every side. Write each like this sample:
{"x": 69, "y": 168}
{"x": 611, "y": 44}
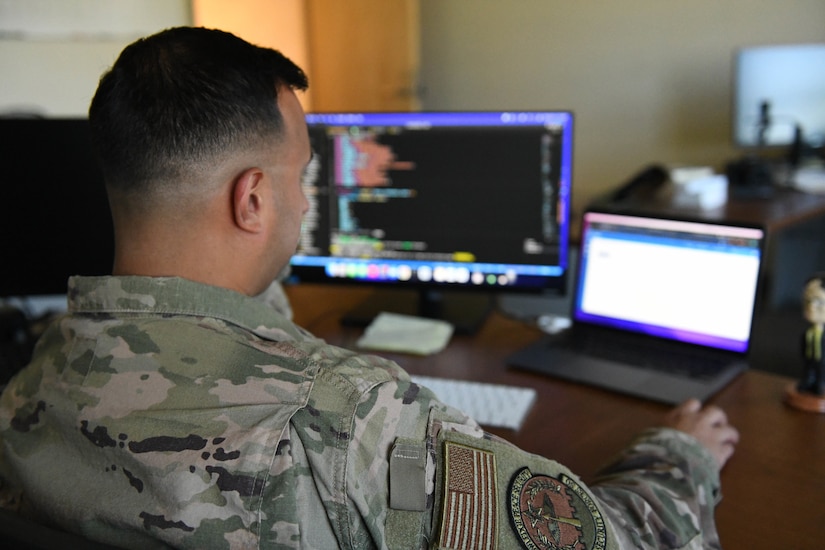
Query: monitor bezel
{"x": 556, "y": 284}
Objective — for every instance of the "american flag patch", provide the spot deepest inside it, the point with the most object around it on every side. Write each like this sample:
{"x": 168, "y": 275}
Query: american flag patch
{"x": 468, "y": 518}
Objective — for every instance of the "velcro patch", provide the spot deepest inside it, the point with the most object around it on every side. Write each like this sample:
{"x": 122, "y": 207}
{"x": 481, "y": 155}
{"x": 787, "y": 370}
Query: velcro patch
{"x": 408, "y": 483}
{"x": 468, "y": 515}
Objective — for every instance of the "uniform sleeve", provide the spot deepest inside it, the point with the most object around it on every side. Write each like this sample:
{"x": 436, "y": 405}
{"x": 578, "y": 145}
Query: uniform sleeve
{"x": 424, "y": 475}
{"x": 661, "y": 491}
{"x": 421, "y": 474}
{"x": 391, "y": 464}
{"x": 364, "y": 431}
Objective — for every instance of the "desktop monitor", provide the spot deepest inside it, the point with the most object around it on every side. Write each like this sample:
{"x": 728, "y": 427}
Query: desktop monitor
{"x": 779, "y": 90}
{"x": 437, "y": 202}
{"x": 54, "y": 214}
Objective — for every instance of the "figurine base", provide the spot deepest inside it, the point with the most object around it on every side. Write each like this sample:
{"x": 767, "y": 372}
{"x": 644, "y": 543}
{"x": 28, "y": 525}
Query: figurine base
{"x": 804, "y": 401}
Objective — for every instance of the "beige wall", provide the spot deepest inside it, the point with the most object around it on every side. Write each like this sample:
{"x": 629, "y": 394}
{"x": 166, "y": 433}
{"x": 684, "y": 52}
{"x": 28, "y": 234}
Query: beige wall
{"x": 649, "y": 80}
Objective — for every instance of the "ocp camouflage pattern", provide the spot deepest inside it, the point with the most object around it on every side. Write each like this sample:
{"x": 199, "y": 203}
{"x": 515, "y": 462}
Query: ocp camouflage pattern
{"x": 164, "y": 413}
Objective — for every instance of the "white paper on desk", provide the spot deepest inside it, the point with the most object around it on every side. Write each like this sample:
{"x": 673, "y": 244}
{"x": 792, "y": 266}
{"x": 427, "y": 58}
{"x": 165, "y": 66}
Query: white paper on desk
{"x": 407, "y": 334}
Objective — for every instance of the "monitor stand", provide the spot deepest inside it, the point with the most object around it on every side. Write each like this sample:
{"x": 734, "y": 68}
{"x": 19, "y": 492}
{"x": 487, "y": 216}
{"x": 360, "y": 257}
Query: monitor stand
{"x": 466, "y": 311}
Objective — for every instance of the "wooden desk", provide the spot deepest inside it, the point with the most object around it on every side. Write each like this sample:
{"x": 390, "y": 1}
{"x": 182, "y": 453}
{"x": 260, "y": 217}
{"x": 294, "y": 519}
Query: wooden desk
{"x": 785, "y": 208}
{"x": 773, "y": 487}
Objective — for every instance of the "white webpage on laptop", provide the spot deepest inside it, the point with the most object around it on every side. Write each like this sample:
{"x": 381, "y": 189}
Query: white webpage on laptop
{"x": 687, "y": 289}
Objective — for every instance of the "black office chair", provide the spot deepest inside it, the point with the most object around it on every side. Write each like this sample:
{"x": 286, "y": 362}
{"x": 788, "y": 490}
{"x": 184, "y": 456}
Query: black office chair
{"x": 19, "y": 533}
{"x": 16, "y": 342}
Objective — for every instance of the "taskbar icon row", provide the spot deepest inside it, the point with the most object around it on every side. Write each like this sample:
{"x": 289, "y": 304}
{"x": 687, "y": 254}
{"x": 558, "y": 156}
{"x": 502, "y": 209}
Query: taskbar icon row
{"x": 425, "y": 273}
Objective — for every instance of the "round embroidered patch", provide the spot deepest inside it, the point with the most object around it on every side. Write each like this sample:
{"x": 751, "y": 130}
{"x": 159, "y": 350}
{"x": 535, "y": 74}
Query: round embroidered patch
{"x": 554, "y": 513}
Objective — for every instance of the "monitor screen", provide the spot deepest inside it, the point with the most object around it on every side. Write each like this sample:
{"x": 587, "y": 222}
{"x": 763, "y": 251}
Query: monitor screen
{"x": 439, "y": 200}
{"x": 684, "y": 280}
{"x": 777, "y": 89}
{"x": 54, "y": 214}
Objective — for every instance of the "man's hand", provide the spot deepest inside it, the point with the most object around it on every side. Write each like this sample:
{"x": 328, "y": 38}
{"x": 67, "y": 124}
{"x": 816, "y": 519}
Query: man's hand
{"x": 709, "y": 425}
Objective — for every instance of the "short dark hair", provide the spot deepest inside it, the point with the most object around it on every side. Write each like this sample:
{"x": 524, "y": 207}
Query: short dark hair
{"x": 182, "y": 97}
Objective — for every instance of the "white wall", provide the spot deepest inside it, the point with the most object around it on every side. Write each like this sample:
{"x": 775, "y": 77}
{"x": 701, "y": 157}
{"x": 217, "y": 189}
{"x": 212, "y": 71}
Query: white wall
{"x": 52, "y": 52}
{"x": 649, "y": 80}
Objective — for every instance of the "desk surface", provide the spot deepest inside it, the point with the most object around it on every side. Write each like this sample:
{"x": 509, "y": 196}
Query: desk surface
{"x": 785, "y": 208}
{"x": 773, "y": 487}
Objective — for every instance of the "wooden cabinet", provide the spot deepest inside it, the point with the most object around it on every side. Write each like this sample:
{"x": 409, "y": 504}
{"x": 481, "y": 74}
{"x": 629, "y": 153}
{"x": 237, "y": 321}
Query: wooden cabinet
{"x": 364, "y": 54}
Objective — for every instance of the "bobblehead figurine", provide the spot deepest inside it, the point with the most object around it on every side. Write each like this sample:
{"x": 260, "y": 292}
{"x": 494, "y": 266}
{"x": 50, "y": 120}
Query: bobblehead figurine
{"x": 809, "y": 393}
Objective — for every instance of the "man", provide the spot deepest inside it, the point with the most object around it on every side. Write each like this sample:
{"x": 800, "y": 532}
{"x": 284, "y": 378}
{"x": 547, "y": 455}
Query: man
{"x": 173, "y": 403}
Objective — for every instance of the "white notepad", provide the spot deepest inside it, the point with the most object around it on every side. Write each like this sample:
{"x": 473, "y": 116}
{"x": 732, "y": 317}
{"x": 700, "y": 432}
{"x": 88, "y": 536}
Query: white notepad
{"x": 406, "y": 334}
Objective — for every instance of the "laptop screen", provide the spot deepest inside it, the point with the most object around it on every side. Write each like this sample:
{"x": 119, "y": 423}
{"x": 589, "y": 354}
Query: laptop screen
{"x": 689, "y": 281}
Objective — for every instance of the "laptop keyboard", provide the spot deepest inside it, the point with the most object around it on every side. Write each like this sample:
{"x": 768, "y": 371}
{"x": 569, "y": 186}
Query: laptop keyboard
{"x": 695, "y": 364}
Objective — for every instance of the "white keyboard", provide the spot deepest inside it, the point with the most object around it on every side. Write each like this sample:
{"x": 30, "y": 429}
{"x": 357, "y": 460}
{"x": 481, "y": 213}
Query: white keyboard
{"x": 489, "y": 404}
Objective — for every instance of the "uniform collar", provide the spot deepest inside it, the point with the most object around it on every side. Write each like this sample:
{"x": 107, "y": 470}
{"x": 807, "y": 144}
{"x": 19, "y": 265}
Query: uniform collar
{"x": 173, "y": 296}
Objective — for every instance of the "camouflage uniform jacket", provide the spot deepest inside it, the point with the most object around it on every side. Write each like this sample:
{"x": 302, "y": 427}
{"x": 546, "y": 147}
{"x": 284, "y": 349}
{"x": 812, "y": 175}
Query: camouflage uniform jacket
{"x": 161, "y": 412}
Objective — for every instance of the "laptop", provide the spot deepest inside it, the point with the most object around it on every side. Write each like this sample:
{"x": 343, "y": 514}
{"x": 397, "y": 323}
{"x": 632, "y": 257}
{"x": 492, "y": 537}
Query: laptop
{"x": 662, "y": 308}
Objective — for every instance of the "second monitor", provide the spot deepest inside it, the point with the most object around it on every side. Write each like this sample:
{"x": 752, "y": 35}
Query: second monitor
{"x": 439, "y": 202}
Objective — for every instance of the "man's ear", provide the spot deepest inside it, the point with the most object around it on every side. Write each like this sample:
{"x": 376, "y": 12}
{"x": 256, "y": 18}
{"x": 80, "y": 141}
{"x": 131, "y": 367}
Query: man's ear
{"x": 248, "y": 200}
